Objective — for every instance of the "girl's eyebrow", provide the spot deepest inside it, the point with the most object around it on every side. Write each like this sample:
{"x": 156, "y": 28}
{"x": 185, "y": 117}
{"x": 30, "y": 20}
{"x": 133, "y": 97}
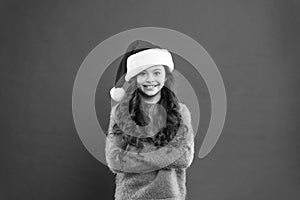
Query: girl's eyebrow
{"x": 156, "y": 70}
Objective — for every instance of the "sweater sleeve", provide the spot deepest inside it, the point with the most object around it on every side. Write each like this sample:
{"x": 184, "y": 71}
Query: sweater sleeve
{"x": 111, "y": 140}
{"x": 119, "y": 160}
{"x": 170, "y": 156}
{"x": 185, "y": 160}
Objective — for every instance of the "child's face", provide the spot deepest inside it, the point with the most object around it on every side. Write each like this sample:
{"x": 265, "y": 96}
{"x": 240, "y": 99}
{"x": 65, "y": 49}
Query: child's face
{"x": 152, "y": 80}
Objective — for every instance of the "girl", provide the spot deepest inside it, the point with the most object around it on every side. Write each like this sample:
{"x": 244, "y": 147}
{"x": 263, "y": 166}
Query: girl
{"x": 150, "y": 140}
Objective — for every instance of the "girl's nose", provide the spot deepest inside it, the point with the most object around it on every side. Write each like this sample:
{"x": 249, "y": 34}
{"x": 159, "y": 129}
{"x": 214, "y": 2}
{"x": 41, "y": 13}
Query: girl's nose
{"x": 149, "y": 78}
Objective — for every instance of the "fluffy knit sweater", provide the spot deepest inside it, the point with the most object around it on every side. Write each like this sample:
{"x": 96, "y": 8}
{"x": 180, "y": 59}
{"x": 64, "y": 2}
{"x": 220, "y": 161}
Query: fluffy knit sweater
{"x": 151, "y": 173}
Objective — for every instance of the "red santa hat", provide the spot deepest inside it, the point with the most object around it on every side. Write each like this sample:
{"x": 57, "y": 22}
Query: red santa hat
{"x": 139, "y": 56}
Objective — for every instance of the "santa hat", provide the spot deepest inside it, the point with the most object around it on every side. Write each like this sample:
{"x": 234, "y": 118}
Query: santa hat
{"x": 139, "y": 56}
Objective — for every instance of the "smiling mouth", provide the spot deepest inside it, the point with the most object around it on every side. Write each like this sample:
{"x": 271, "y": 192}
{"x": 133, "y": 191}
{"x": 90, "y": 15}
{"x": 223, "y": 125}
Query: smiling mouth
{"x": 150, "y": 86}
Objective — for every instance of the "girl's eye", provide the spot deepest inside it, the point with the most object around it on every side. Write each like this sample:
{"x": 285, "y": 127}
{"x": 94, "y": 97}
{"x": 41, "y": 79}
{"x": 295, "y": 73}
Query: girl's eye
{"x": 142, "y": 73}
{"x": 157, "y": 73}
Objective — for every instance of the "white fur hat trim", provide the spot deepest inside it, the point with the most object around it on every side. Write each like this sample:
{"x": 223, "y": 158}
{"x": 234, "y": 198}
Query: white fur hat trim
{"x": 140, "y": 61}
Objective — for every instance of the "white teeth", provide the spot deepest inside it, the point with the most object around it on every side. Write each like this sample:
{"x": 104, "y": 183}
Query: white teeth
{"x": 149, "y": 86}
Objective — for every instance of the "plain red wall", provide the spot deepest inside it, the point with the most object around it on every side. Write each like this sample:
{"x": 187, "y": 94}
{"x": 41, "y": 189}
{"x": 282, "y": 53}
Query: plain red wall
{"x": 255, "y": 44}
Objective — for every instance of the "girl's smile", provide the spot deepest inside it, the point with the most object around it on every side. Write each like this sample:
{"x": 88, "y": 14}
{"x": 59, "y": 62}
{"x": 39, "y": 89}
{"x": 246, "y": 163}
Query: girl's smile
{"x": 149, "y": 87}
{"x": 151, "y": 81}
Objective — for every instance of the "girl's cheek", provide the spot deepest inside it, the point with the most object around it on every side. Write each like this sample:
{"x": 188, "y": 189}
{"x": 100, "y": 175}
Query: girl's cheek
{"x": 140, "y": 81}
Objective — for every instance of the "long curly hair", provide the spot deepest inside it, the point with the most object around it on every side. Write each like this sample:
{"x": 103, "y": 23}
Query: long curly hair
{"x": 132, "y": 121}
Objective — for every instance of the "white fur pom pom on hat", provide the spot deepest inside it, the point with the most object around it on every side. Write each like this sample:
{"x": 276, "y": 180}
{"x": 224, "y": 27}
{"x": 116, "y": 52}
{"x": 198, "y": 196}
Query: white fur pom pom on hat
{"x": 117, "y": 94}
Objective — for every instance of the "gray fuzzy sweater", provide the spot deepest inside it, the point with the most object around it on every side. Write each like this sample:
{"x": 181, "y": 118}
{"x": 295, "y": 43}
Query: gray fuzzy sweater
{"x": 151, "y": 173}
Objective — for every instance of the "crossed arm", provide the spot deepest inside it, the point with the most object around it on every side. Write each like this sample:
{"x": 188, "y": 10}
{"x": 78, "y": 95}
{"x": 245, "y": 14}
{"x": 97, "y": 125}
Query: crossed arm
{"x": 180, "y": 156}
